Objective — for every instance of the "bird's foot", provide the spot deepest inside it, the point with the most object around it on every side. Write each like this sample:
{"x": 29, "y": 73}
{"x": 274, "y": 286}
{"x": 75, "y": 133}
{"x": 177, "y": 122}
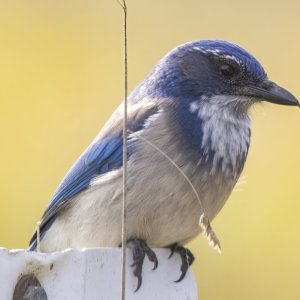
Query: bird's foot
{"x": 187, "y": 258}
{"x": 139, "y": 250}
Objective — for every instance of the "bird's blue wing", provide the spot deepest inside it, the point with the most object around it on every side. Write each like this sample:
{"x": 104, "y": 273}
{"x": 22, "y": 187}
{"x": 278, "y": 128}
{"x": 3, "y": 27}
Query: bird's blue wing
{"x": 100, "y": 157}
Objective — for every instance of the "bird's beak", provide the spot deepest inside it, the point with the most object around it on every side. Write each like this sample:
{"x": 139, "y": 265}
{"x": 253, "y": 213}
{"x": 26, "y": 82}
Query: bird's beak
{"x": 271, "y": 92}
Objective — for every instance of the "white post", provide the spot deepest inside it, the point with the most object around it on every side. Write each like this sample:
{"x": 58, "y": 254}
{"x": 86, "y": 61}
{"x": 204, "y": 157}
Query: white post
{"x": 93, "y": 274}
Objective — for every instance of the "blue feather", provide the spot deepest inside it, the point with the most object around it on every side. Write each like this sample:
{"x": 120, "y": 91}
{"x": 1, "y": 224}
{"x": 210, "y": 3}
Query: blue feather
{"x": 99, "y": 158}
{"x": 93, "y": 162}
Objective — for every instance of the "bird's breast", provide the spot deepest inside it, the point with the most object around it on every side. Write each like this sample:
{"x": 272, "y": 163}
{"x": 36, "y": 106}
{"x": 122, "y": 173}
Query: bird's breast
{"x": 164, "y": 194}
{"x": 162, "y": 207}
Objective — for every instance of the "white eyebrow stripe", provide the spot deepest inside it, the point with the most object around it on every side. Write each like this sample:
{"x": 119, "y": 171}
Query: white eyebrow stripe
{"x": 232, "y": 58}
{"x": 218, "y": 53}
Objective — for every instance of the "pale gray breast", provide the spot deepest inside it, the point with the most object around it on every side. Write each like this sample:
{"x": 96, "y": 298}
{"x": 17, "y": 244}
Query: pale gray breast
{"x": 162, "y": 208}
{"x": 214, "y": 182}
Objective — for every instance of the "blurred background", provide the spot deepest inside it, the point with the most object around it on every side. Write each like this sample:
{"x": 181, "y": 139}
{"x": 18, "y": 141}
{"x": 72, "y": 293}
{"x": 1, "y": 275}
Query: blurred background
{"x": 61, "y": 76}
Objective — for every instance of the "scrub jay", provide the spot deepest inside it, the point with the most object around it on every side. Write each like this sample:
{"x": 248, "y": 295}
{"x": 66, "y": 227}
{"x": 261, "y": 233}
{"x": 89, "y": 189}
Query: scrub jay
{"x": 188, "y": 139}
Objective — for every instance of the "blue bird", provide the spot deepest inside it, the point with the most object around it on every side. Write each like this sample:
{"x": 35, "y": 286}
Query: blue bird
{"x": 188, "y": 139}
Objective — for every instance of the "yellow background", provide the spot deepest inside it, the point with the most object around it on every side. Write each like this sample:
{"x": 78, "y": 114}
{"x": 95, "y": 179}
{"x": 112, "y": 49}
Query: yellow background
{"x": 61, "y": 76}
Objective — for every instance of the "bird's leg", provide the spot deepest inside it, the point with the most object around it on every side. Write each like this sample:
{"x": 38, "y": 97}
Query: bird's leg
{"x": 139, "y": 250}
{"x": 187, "y": 258}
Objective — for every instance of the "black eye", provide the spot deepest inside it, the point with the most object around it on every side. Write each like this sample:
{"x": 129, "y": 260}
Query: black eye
{"x": 227, "y": 70}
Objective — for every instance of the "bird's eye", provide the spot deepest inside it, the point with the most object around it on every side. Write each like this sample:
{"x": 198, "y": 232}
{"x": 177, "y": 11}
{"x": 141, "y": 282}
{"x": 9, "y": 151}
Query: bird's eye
{"x": 227, "y": 70}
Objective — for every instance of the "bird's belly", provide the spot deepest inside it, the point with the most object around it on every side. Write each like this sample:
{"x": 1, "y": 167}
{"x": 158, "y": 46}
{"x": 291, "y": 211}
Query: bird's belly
{"x": 174, "y": 217}
{"x": 161, "y": 208}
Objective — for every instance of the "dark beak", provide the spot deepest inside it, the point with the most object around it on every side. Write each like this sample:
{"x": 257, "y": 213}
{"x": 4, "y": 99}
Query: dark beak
{"x": 271, "y": 92}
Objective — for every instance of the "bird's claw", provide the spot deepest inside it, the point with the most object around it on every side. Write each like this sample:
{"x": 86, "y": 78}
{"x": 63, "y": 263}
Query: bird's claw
{"x": 172, "y": 248}
{"x": 187, "y": 258}
{"x": 139, "y": 250}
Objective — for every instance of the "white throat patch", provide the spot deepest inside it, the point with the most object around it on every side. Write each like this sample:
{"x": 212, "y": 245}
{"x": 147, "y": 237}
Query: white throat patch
{"x": 224, "y": 132}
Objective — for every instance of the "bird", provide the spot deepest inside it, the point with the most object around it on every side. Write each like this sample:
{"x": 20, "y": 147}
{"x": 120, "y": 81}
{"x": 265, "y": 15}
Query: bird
{"x": 188, "y": 138}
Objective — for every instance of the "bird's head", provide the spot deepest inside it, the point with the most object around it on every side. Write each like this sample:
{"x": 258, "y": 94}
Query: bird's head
{"x": 212, "y": 70}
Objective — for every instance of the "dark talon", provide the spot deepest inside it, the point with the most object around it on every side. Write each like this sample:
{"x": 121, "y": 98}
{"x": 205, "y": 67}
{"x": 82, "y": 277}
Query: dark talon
{"x": 138, "y": 273}
{"x": 172, "y": 248}
{"x": 139, "y": 250}
{"x": 151, "y": 256}
{"x": 187, "y": 258}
